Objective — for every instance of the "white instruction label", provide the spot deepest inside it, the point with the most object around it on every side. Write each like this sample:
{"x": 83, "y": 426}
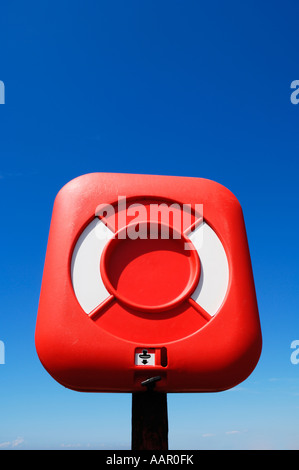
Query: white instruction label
{"x": 145, "y": 357}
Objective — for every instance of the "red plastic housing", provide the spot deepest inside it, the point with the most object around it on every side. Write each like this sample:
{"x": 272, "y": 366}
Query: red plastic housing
{"x": 168, "y": 293}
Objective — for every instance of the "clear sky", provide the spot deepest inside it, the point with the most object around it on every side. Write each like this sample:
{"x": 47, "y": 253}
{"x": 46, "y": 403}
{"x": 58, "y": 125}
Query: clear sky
{"x": 184, "y": 88}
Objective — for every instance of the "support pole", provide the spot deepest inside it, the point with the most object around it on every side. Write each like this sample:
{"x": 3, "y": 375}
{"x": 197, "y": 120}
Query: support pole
{"x": 149, "y": 418}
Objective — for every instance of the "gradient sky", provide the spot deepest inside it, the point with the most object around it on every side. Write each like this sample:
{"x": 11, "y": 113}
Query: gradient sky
{"x": 158, "y": 87}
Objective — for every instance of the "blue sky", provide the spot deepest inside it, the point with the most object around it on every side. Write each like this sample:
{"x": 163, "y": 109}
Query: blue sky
{"x": 161, "y": 87}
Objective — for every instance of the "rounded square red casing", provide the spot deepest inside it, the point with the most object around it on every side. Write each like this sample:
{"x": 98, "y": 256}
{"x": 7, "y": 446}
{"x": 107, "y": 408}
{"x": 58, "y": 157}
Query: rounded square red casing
{"x": 117, "y": 308}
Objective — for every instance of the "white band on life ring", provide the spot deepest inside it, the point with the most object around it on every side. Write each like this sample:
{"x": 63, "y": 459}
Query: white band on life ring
{"x": 213, "y": 283}
{"x": 85, "y": 268}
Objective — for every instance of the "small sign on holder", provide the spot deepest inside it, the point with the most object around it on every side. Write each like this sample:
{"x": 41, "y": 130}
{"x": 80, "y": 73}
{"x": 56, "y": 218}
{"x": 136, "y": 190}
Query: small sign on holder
{"x": 145, "y": 357}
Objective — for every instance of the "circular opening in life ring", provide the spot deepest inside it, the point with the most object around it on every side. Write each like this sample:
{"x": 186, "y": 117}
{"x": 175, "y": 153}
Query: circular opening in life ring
{"x": 152, "y": 269}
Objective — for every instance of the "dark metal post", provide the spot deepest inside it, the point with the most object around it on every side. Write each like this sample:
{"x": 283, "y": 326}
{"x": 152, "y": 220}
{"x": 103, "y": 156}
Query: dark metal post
{"x": 149, "y": 418}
